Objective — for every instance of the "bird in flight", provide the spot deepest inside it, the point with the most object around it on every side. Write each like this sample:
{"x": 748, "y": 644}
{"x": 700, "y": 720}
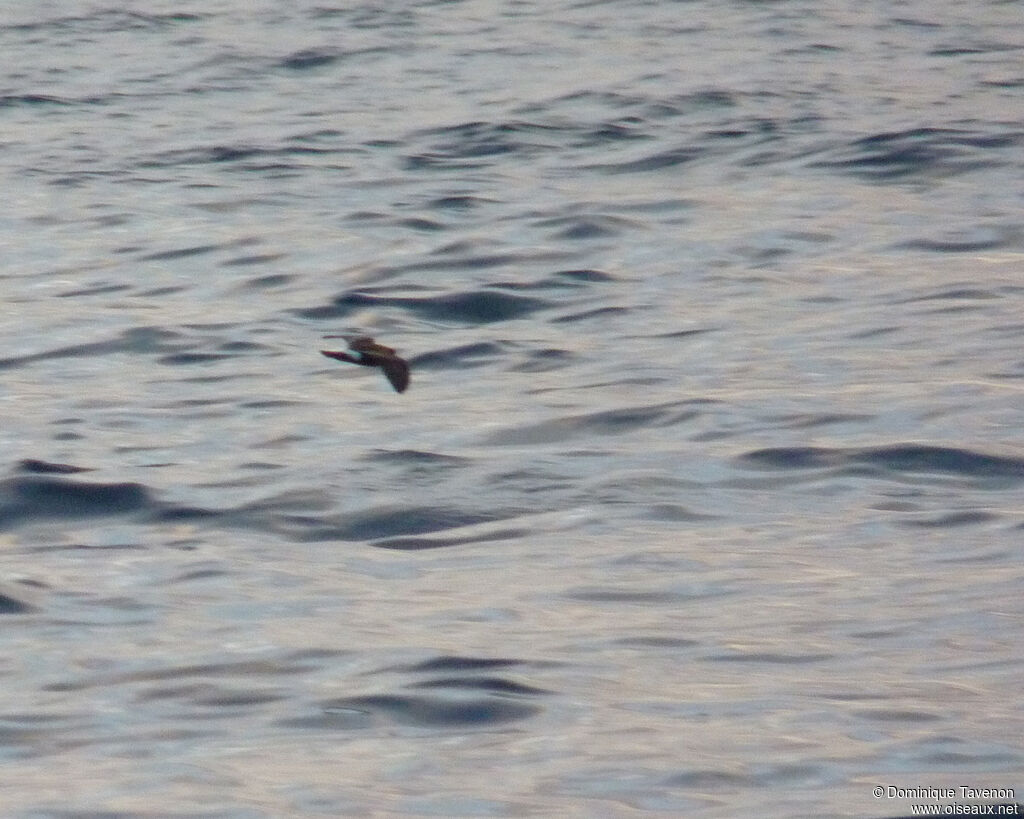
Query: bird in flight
{"x": 365, "y": 351}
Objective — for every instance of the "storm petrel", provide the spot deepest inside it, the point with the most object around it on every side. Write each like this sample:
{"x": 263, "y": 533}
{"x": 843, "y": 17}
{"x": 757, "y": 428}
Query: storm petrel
{"x": 367, "y": 352}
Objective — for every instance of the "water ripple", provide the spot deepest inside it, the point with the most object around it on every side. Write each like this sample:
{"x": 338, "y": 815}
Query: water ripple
{"x": 24, "y": 499}
{"x": 893, "y": 458}
{"x": 606, "y": 422}
{"x": 923, "y": 152}
{"x": 467, "y": 307}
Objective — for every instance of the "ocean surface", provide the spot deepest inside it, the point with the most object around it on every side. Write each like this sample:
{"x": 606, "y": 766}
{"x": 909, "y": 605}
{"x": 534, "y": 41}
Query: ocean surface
{"x": 706, "y": 498}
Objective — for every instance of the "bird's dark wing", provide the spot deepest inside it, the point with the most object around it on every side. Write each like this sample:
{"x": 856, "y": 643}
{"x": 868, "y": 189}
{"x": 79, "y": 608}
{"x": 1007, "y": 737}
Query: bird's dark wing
{"x": 397, "y": 372}
{"x": 351, "y": 359}
{"x": 395, "y": 368}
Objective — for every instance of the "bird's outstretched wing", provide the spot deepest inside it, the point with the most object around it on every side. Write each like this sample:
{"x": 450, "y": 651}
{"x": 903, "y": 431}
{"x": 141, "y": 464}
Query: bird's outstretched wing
{"x": 370, "y": 354}
{"x": 351, "y": 359}
{"x": 397, "y": 372}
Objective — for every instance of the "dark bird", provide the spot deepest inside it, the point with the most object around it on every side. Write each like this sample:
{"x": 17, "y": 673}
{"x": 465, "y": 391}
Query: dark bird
{"x": 367, "y": 352}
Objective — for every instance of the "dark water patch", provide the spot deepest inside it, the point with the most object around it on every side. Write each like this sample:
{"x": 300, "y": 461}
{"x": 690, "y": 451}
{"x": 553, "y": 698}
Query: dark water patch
{"x": 475, "y": 261}
{"x": 86, "y": 547}
{"x": 141, "y": 340}
{"x": 677, "y": 513}
{"x": 896, "y": 458}
{"x": 199, "y": 574}
{"x": 658, "y": 161}
{"x": 990, "y": 240}
{"x": 95, "y": 290}
{"x": 682, "y": 104}
{"x": 380, "y": 523}
{"x": 952, "y": 520}
{"x": 245, "y": 157}
{"x": 541, "y": 483}
{"x": 679, "y": 333}
{"x": 464, "y": 695}
{"x": 9, "y": 604}
{"x": 958, "y": 761}
{"x": 657, "y": 642}
{"x": 68, "y": 436}
{"x": 438, "y": 712}
{"x": 913, "y": 22}
{"x": 260, "y": 465}
{"x": 769, "y": 657}
{"x": 459, "y": 202}
{"x": 792, "y": 458}
{"x": 163, "y": 291}
{"x": 586, "y": 315}
{"x": 462, "y": 357}
{"x": 916, "y": 458}
{"x": 23, "y": 499}
{"x": 180, "y": 253}
{"x": 645, "y": 597}
{"x": 607, "y": 422}
{"x": 270, "y": 403}
{"x": 434, "y": 160}
{"x": 414, "y": 457}
{"x": 475, "y": 144}
{"x": 183, "y": 514}
{"x": 213, "y": 326}
{"x": 210, "y": 695}
{"x": 455, "y": 662}
{"x": 13, "y": 100}
{"x": 369, "y": 16}
{"x": 334, "y": 717}
{"x": 416, "y": 544}
{"x": 241, "y": 346}
{"x": 612, "y": 132}
{"x": 472, "y": 307}
{"x": 188, "y": 359}
{"x": 1009, "y": 330}
{"x": 958, "y": 293}
{"x": 922, "y": 152}
{"x": 966, "y": 50}
{"x": 875, "y": 332}
{"x": 631, "y": 381}
{"x": 367, "y": 216}
{"x": 37, "y": 467}
{"x": 497, "y": 685}
{"x": 539, "y": 361}
{"x": 587, "y": 100}
{"x": 41, "y": 499}
{"x": 309, "y": 58}
{"x": 576, "y": 228}
{"x": 888, "y": 715}
{"x": 825, "y": 419}
{"x": 621, "y": 596}
{"x": 709, "y": 780}
{"x": 107, "y": 20}
{"x": 558, "y": 282}
{"x": 261, "y": 282}
{"x": 221, "y": 378}
{"x": 421, "y": 224}
{"x": 479, "y": 255}
{"x": 281, "y": 442}
{"x": 296, "y": 500}
{"x": 291, "y": 663}
{"x": 1002, "y": 82}
{"x": 585, "y": 275}
{"x": 461, "y": 247}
